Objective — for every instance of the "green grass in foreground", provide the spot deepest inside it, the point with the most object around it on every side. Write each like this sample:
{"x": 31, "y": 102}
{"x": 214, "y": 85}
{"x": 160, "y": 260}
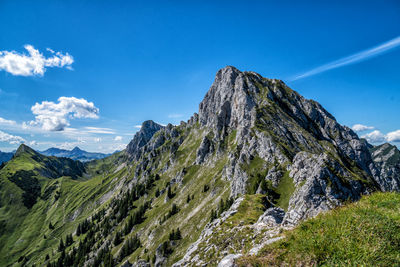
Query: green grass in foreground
{"x": 365, "y": 233}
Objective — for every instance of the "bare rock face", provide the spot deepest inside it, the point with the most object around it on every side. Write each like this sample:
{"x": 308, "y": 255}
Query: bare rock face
{"x": 322, "y": 184}
{"x": 141, "y": 263}
{"x": 205, "y": 148}
{"x": 141, "y": 138}
{"x": 274, "y": 175}
{"x": 227, "y": 103}
{"x": 387, "y": 160}
{"x": 229, "y": 260}
{"x": 272, "y": 217}
{"x": 160, "y": 258}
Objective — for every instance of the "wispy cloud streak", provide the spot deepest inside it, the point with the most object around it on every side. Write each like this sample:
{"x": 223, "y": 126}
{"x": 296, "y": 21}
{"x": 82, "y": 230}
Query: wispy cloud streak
{"x": 357, "y": 57}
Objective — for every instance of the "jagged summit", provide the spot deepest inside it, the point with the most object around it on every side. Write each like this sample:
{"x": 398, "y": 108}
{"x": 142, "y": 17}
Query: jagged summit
{"x": 278, "y": 125}
{"x": 142, "y": 137}
{"x": 234, "y": 98}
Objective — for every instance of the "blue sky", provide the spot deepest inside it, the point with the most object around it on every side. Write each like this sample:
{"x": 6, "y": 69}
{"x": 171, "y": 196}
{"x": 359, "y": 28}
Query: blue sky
{"x": 114, "y": 64}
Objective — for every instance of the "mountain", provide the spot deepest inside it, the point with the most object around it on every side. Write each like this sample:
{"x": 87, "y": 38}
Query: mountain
{"x": 387, "y": 160}
{"x": 75, "y": 154}
{"x": 255, "y": 162}
{"x": 5, "y": 156}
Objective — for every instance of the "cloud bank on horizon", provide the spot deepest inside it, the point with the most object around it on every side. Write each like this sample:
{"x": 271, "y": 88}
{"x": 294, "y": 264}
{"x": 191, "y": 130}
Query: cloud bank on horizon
{"x": 376, "y": 136}
{"x": 357, "y": 57}
{"x": 33, "y": 63}
{"x": 12, "y": 139}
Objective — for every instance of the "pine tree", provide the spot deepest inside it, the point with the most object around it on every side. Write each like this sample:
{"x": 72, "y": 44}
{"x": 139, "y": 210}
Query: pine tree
{"x": 61, "y": 246}
{"x": 205, "y": 188}
{"x": 213, "y": 215}
{"x": 172, "y": 235}
{"x": 221, "y": 207}
{"x": 178, "y": 235}
{"x": 78, "y": 230}
{"x": 169, "y": 193}
{"x": 117, "y": 239}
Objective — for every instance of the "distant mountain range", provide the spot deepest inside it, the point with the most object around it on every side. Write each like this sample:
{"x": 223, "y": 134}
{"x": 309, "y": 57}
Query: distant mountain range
{"x": 5, "y": 156}
{"x": 75, "y": 154}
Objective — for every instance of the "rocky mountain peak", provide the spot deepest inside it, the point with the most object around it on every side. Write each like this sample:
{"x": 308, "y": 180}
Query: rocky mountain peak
{"x": 276, "y": 124}
{"x": 150, "y": 126}
{"x": 142, "y": 137}
{"x": 228, "y": 102}
{"x": 244, "y": 101}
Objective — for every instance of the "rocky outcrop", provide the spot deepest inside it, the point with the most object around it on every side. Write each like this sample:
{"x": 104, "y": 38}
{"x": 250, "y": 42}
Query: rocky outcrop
{"x": 141, "y": 138}
{"x": 322, "y": 183}
{"x": 141, "y": 263}
{"x": 205, "y": 148}
{"x": 227, "y": 103}
{"x": 387, "y": 160}
{"x": 272, "y": 217}
{"x": 229, "y": 260}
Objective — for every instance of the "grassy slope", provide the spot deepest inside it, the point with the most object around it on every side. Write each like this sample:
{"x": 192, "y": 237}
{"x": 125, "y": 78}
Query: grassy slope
{"x": 26, "y": 228}
{"x": 80, "y": 199}
{"x": 363, "y": 233}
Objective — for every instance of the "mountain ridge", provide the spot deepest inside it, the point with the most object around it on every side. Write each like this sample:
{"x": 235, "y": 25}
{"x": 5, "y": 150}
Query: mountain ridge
{"x": 257, "y": 158}
{"x": 5, "y": 156}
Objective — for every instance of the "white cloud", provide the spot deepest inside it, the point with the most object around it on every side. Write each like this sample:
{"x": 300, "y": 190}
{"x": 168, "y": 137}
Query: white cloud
{"x": 138, "y": 126}
{"x": 99, "y": 130}
{"x": 97, "y": 139}
{"x": 55, "y": 116}
{"x": 12, "y": 139}
{"x": 33, "y": 143}
{"x": 8, "y": 122}
{"x": 118, "y": 138}
{"x": 378, "y": 137}
{"x": 354, "y": 58}
{"x": 33, "y": 63}
{"x": 393, "y": 136}
{"x": 361, "y": 128}
{"x": 375, "y": 137}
